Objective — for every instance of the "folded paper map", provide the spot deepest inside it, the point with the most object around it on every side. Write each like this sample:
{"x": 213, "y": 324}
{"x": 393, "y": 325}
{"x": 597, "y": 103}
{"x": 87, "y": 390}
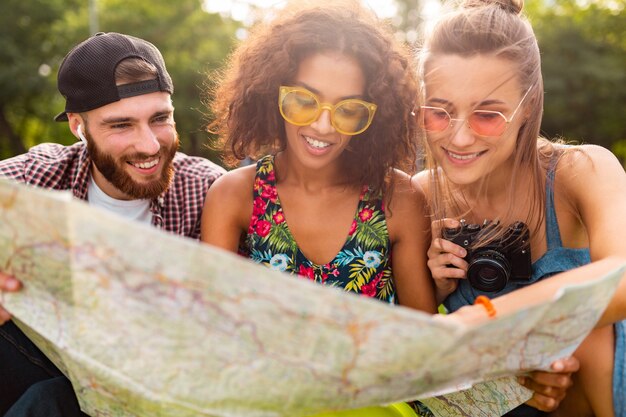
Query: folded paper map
{"x": 145, "y": 323}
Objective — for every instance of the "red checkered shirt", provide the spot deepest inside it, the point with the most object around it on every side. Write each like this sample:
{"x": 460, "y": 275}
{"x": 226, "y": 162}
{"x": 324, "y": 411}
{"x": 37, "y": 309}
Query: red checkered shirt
{"x": 177, "y": 210}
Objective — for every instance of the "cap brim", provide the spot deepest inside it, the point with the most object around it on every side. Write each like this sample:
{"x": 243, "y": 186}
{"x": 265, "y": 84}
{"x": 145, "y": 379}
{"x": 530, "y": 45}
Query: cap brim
{"x": 61, "y": 117}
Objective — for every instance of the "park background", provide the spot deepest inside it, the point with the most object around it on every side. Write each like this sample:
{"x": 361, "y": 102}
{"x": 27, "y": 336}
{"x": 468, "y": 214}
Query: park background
{"x": 583, "y": 45}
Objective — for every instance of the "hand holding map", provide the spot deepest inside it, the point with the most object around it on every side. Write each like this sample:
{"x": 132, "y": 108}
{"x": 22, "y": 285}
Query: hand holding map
{"x": 146, "y": 323}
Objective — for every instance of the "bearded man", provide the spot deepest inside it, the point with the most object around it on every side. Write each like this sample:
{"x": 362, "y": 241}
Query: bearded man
{"x": 118, "y": 103}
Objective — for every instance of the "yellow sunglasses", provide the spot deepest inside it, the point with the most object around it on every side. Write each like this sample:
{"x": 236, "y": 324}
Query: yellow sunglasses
{"x": 301, "y": 107}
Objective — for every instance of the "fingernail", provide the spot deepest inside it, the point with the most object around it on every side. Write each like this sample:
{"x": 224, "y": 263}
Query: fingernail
{"x": 557, "y": 366}
{"x": 462, "y": 253}
{"x": 12, "y": 284}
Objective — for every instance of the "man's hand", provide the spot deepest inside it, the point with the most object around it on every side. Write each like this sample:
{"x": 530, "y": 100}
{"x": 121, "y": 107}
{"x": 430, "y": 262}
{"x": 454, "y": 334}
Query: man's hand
{"x": 550, "y": 387}
{"x": 7, "y": 283}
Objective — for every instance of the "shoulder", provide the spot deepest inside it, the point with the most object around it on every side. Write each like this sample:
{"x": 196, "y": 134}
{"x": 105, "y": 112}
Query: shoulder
{"x": 408, "y": 200}
{"x": 589, "y": 173}
{"x": 195, "y": 167}
{"x": 228, "y": 206}
{"x": 193, "y": 176}
{"x": 583, "y": 165}
{"x": 421, "y": 181}
{"x": 408, "y": 189}
{"x": 586, "y": 156}
{"x": 44, "y": 163}
{"x": 54, "y": 153}
{"x": 234, "y": 185}
{"x": 403, "y": 185}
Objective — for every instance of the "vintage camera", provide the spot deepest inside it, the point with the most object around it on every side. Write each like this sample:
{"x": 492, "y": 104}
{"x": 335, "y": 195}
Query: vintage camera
{"x": 497, "y": 261}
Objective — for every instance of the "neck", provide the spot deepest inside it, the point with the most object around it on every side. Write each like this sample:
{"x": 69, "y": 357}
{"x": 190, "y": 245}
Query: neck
{"x": 500, "y": 195}
{"x": 497, "y": 184}
{"x": 289, "y": 172}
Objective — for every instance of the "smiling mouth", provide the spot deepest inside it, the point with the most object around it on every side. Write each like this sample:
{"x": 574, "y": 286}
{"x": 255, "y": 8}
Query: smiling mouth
{"x": 464, "y": 157}
{"x": 145, "y": 164}
{"x": 317, "y": 144}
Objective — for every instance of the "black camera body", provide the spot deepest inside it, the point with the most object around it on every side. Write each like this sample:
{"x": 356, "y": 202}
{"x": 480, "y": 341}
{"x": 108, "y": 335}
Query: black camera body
{"x": 493, "y": 264}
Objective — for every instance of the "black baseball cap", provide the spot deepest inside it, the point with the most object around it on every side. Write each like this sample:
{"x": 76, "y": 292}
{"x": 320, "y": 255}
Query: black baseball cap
{"x": 87, "y": 74}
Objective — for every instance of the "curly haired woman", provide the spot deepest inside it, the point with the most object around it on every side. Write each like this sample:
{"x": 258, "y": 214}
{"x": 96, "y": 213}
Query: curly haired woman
{"x": 327, "y": 92}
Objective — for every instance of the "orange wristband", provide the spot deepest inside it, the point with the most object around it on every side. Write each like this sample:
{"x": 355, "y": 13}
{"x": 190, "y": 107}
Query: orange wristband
{"x": 486, "y": 302}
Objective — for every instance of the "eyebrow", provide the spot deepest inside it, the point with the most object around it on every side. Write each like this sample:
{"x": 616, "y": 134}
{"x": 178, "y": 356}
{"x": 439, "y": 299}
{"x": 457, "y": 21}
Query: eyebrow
{"x": 162, "y": 113}
{"x": 482, "y": 103}
{"x": 317, "y": 92}
{"x": 437, "y": 101}
{"x": 490, "y": 102}
{"x": 114, "y": 120}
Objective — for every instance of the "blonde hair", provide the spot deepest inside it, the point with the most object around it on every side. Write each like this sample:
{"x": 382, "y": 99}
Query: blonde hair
{"x": 495, "y": 28}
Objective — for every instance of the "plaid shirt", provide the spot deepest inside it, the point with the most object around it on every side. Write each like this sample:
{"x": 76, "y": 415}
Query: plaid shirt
{"x": 177, "y": 210}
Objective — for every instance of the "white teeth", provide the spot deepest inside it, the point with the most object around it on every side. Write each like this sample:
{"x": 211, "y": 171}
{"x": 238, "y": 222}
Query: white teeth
{"x": 462, "y": 157}
{"x": 146, "y": 165}
{"x": 316, "y": 143}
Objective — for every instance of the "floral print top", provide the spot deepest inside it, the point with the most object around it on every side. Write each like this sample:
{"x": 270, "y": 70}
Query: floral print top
{"x": 363, "y": 264}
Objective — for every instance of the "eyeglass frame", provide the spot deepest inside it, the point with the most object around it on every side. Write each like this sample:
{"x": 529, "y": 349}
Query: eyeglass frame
{"x": 283, "y": 90}
{"x": 451, "y": 119}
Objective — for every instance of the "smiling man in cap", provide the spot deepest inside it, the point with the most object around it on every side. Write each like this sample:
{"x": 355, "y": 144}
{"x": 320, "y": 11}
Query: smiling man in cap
{"x": 118, "y": 103}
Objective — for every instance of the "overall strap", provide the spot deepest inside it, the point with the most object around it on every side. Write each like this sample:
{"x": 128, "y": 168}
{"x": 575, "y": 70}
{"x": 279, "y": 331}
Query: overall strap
{"x": 553, "y": 234}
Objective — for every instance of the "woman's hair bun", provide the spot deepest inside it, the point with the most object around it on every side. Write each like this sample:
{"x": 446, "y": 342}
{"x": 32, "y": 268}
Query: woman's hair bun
{"x": 511, "y": 6}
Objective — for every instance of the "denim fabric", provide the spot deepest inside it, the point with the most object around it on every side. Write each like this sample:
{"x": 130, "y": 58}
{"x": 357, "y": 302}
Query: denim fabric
{"x": 556, "y": 259}
{"x": 30, "y": 384}
{"x": 619, "y": 370}
{"x": 21, "y": 365}
{"x": 525, "y": 411}
{"x": 52, "y": 397}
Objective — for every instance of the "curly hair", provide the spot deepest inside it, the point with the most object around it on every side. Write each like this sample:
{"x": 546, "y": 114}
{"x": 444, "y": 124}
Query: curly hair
{"x": 245, "y": 98}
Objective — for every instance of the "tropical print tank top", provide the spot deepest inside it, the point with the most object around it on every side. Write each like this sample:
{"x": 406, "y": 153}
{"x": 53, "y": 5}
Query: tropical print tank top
{"x": 363, "y": 264}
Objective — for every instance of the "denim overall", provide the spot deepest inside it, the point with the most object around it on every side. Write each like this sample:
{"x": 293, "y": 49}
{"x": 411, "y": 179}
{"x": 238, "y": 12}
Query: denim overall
{"x": 556, "y": 259}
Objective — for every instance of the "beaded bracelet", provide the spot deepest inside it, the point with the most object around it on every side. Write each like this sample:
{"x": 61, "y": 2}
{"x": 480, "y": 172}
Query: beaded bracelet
{"x": 486, "y": 302}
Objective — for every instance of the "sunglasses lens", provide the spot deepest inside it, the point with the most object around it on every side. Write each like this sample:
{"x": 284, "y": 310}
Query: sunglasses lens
{"x": 487, "y": 123}
{"x": 434, "y": 119}
{"x": 351, "y": 117}
{"x": 299, "y": 107}
{"x": 482, "y": 122}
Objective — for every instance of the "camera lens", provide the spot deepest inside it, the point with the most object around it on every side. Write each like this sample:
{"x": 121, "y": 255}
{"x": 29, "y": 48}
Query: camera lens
{"x": 488, "y": 271}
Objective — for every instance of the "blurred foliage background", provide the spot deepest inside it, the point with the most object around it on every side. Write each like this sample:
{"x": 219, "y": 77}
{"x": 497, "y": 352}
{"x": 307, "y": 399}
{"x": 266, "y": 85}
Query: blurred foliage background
{"x": 583, "y": 44}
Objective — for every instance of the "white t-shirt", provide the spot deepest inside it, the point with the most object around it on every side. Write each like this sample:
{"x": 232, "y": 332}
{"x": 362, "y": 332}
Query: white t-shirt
{"x": 131, "y": 209}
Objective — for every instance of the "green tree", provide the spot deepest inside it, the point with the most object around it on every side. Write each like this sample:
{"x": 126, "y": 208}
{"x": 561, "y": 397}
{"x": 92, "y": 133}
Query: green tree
{"x": 193, "y": 42}
{"x": 408, "y": 20}
{"x": 584, "y": 57}
{"x": 30, "y": 50}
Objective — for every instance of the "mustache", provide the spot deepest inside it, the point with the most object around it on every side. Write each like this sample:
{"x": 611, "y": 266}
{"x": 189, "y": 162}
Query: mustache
{"x": 140, "y": 156}
{"x": 143, "y": 156}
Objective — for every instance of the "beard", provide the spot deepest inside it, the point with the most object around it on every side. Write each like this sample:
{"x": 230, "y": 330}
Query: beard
{"x": 115, "y": 170}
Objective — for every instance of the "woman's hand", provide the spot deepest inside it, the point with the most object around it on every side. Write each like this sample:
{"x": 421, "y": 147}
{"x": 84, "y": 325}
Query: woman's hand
{"x": 445, "y": 260}
{"x": 549, "y": 387}
{"x": 7, "y": 283}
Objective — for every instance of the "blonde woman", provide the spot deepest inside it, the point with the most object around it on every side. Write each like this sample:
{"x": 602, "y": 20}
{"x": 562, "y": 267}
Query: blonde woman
{"x": 554, "y": 207}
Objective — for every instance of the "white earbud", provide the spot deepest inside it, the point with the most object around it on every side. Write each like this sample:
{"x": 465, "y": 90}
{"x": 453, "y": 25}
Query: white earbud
{"x": 79, "y": 131}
